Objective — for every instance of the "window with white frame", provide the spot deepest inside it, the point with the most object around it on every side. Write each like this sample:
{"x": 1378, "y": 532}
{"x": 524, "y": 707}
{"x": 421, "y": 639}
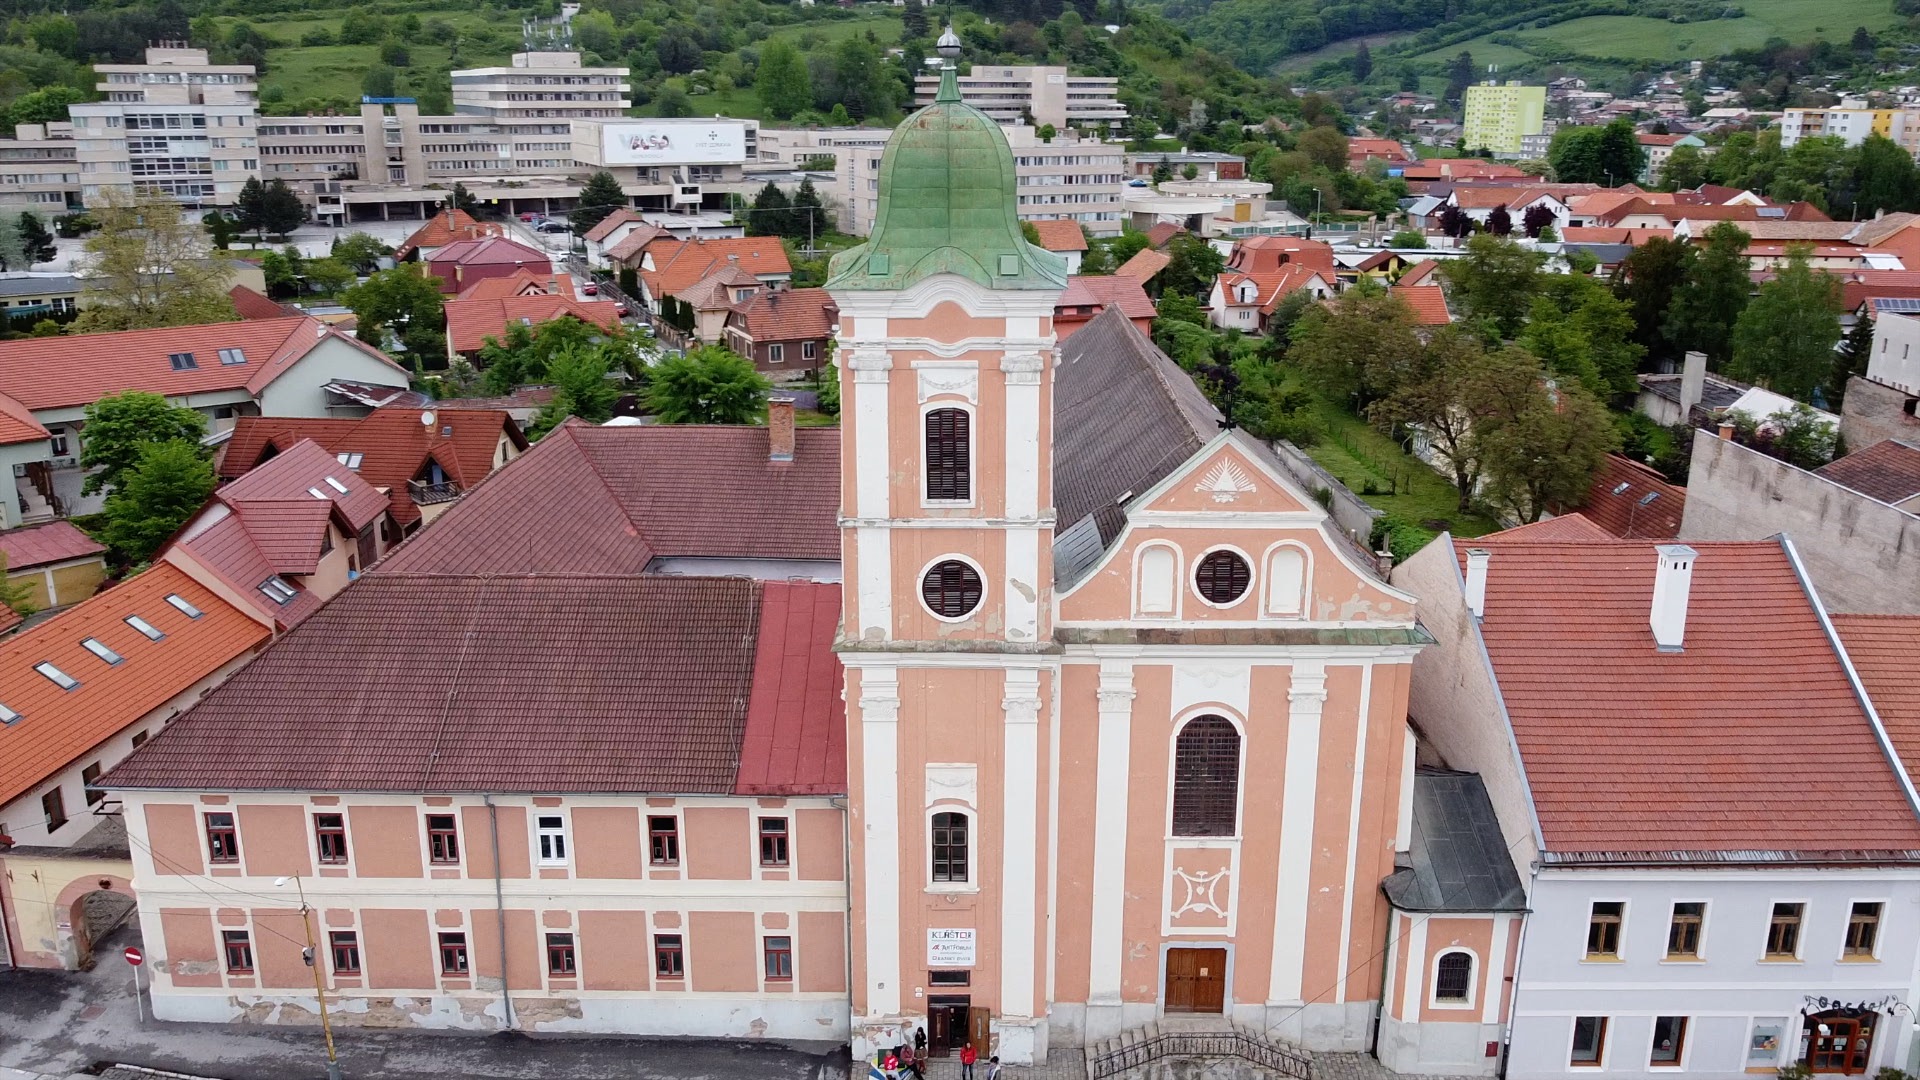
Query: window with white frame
{"x": 1156, "y": 580}
{"x": 1453, "y": 978}
{"x": 551, "y": 833}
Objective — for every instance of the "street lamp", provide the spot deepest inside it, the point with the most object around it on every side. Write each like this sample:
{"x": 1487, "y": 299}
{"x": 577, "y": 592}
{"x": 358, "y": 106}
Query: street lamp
{"x": 313, "y": 961}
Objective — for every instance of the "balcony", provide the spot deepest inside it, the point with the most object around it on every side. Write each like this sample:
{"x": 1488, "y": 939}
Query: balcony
{"x": 425, "y": 494}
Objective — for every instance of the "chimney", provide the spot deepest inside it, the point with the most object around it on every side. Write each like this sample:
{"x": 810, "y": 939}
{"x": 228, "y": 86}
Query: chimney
{"x": 1477, "y": 559}
{"x": 1672, "y": 581}
{"x": 1726, "y": 430}
{"x": 779, "y": 428}
{"x": 1693, "y": 381}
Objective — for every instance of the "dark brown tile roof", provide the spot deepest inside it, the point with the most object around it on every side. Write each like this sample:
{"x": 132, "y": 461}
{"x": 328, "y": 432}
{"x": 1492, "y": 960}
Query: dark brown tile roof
{"x": 591, "y": 499}
{"x": 1124, "y": 417}
{"x": 1889, "y": 471}
{"x": 540, "y": 684}
{"x": 785, "y": 315}
{"x": 39, "y": 545}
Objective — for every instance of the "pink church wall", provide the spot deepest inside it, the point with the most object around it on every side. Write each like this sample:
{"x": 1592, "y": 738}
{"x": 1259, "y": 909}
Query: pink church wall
{"x": 1333, "y": 802}
{"x": 1079, "y": 767}
{"x": 1146, "y": 828}
{"x": 819, "y": 845}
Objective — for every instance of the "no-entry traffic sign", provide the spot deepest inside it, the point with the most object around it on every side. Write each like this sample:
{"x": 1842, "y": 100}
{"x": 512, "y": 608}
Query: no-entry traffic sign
{"x": 134, "y": 956}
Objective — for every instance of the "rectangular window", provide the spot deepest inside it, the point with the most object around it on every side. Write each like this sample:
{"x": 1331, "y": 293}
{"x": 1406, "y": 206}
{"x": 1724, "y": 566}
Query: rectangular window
{"x": 1783, "y": 933}
{"x": 809, "y": 349}
{"x": 453, "y": 954}
{"x": 1683, "y": 933}
{"x": 152, "y": 633}
{"x": 89, "y": 776}
{"x": 663, "y": 841}
{"x": 560, "y": 958}
{"x": 223, "y": 841}
{"x": 779, "y": 957}
{"x": 54, "y": 675}
{"x": 950, "y": 978}
{"x": 1669, "y": 1040}
{"x": 182, "y": 361}
{"x": 99, "y": 649}
{"x": 330, "y": 837}
{"x": 53, "y": 807}
{"x": 230, "y": 357}
{"x": 1863, "y": 930}
{"x": 553, "y": 839}
{"x": 180, "y": 604}
{"x": 1589, "y": 1039}
{"x": 669, "y": 961}
{"x": 443, "y": 840}
{"x": 139, "y": 739}
{"x": 773, "y": 841}
{"x": 239, "y": 950}
{"x": 345, "y": 945}
{"x": 950, "y": 847}
{"x": 776, "y": 353}
{"x": 949, "y": 455}
{"x": 1603, "y": 929}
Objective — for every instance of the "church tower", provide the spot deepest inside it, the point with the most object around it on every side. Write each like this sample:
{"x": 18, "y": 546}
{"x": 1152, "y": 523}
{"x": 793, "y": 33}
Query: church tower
{"x": 946, "y": 358}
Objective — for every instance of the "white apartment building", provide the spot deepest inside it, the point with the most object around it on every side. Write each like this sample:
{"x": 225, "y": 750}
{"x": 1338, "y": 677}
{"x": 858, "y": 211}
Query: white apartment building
{"x": 1067, "y": 179}
{"x": 540, "y": 88}
{"x": 795, "y": 146}
{"x": 38, "y": 170}
{"x": 1034, "y": 95}
{"x": 1852, "y": 121}
{"x": 176, "y": 124}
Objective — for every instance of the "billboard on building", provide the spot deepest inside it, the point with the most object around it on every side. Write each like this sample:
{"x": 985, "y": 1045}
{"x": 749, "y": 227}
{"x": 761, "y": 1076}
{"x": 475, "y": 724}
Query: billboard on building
{"x": 674, "y": 142}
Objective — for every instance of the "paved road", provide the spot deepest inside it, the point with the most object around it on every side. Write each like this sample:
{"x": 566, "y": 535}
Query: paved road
{"x": 56, "y": 1023}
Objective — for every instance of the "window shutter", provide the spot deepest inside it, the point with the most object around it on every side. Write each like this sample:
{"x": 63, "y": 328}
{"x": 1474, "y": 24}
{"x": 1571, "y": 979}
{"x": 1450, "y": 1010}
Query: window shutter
{"x": 949, "y": 454}
{"x": 1206, "y": 778}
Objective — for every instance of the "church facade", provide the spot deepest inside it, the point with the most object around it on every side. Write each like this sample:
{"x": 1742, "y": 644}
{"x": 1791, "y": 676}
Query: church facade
{"x": 1126, "y": 715}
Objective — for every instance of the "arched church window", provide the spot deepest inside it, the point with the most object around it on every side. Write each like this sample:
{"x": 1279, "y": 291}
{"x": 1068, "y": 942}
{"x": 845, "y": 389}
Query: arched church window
{"x": 949, "y": 455}
{"x": 1206, "y": 778}
{"x": 950, "y": 847}
{"x": 1453, "y": 978}
{"x": 1286, "y": 581}
{"x": 1222, "y": 577}
{"x": 1157, "y": 580}
{"x": 951, "y": 589}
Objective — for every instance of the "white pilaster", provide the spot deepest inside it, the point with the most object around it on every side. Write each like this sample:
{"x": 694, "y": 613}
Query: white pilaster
{"x": 1353, "y": 829}
{"x": 1023, "y": 584}
{"x": 1107, "y": 927}
{"x": 880, "y": 796}
{"x": 873, "y": 549}
{"x": 1495, "y": 972}
{"x": 1023, "y": 371}
{"x": 1020, "y": 872}
{"x": 872, "y": 369}
{"x": 1416, "y": 987}
{"x": 1306, "y": 697}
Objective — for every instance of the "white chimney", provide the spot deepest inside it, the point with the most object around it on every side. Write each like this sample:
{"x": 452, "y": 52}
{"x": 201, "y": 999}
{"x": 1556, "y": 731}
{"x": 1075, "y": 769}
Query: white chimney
{"x": 1693, "y": 382}
{"x": 1672, "y": 581}
{"x": 1477, "y": 581}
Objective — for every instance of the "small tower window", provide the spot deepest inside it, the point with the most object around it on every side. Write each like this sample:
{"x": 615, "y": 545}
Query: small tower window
{"x": 1222, "y": 577}
{"x": 951, "y": 589}
{"x": 949, "y": 455}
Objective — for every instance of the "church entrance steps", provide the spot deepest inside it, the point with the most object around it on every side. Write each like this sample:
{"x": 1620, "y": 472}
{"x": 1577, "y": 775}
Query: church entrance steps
{"x": 1202, "y": 1047}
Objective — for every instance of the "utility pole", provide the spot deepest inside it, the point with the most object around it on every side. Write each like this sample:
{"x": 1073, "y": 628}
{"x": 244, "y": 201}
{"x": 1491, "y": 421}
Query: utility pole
{"x": 312, "y": 958}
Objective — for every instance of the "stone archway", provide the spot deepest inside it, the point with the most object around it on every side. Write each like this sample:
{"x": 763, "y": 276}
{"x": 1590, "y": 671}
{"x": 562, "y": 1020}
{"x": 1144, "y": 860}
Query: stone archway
{"x": 95, "y": 906}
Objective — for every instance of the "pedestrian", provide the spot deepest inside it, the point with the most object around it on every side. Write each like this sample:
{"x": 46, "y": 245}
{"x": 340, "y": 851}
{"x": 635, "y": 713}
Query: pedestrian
{"x": 892, "y": 1065}
{"x": 993, "y": 1067}
{"x": 910, "y": 1063}
{"x": 968, "y": 1055}
{"x": 877, "y": 1068}
{"x": 920, "y": 1042}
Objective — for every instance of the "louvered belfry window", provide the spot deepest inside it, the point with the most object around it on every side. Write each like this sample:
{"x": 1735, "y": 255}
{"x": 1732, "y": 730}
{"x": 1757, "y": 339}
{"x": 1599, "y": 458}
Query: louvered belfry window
{"x": 1222, "y": 577}
{"x": 951, "y": 589}
{"x": 1206, "y": 778}
{"x": 949, "y": 455}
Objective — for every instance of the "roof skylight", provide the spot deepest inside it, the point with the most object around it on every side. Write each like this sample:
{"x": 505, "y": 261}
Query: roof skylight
{"x": 180, "y": 603}
{"x": 8, "y": 716}
{"x": 350, "y": 460}
{"x": 277, "y": 589}
{"x": 60, "y": 678}
{"x": 153, "y": 632}
{"x": 336, "y": 485}
{"x": 99, "y": 649}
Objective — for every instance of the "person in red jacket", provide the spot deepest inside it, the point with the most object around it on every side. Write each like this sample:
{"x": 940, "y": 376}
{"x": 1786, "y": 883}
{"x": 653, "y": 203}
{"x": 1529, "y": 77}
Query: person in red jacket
{"x": 967, "y": 1057}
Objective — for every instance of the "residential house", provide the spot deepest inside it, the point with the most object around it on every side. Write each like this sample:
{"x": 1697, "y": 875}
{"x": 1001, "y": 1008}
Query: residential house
{"x": 249, "y": 303}
{"x": 1087, "y": 296}
{"x": 286, "y": 536}
{"x": 613, "y": 229}
{"x": 423, "y": 459}
{"x": 1479, "y": 203}
{"x": 1267, "y": 254}
{"x": 1390, "y": 152}
{"x": 666, "y": 265}
{"x": 449, "y": 226}
{"x": 55, "y": 562}
{"x": 259, "y": 367}
{"x": 1064, "y": 238}
{"x": 1659, "y": 148}
{"x": 472, "y": 323}
{"x": 1144, "y": 266}
{"x": 1428, "y": 302}
{"x": 1242, "y": 301}
{"x": 1688, "y": 917}
{"x": 29, "y": 298}
{"x": 79, "y": 692}
{"x": 704, "y": 307}
{"x": 1633, "y": 501}
{"x": 460, "y": 264}
{"x": 783, "y": 330}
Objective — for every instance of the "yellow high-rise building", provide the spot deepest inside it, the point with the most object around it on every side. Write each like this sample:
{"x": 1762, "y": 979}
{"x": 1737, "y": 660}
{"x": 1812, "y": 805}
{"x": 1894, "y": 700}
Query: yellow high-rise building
{"x": 1496, "y": 117}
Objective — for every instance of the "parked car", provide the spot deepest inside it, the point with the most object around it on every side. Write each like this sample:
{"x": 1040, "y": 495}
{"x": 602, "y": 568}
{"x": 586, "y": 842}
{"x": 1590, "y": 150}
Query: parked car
{"x": 591, "y": 288}
{"x": 533, "y": 218}
{"x": 551, "y": 227}
{"x": 621, "y": 311}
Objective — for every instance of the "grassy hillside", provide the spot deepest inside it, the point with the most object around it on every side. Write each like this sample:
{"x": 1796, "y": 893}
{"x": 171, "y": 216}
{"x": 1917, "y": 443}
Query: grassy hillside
{"x": 1630, "y": 37}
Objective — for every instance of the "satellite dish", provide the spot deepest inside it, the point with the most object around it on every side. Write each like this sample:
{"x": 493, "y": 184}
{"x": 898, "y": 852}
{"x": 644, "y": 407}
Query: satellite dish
{"x": 427, "y": 418}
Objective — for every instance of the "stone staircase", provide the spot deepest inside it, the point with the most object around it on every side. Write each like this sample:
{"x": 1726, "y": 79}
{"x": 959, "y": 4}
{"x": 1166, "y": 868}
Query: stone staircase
{"x": 1196, "y": 1048}
{"x": 35, "y": 509}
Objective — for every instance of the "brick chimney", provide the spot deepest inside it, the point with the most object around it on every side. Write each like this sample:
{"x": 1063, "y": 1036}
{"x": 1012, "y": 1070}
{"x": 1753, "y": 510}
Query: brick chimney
{"x": 779, "y": 428}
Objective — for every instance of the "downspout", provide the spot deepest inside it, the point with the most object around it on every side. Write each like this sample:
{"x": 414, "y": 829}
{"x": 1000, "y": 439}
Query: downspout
{"x": 843, "y": 804}
{"x": 500, "y": 908}
{"x": 1513, "y": 1006}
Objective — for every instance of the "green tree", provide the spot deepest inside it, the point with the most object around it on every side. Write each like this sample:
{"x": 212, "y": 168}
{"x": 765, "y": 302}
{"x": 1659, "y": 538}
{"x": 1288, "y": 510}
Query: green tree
{"x": 404, "y": 304}
{"x": 361, "y": 251}
{"x": 47, "y": 105}
{"x": 1408, "y": 238}
{"x": 1358, "y": 348}
{"x": 1704, "y": 309}
{"x": 147, "y": 266}
{"x": 1684, "y": 169}
{"x": 121, "y": 426}
{"x": 1784, "y": 339}
{"x": 1326, "y": 147}
{"x": 250, "y": 206}
{"x": 1583, "y": 332}
{"x": 580, "y": 388}
{"x": 1097, "y": 260}
{"x": 281, "y": 211}
{"x": 861, "y": 81}
{"x": 167, "y": 483}
{"x": 1500, "y": 221}
{"x": 1609, "y": 155}
{"x": 1459, "y": 76}
{"x": 1849, "y": 359}
{"x": 1434, "y": 394}
{"x": 599, "y": 197}
{"x": 771, "y": 213}
{"x": 462, "y": 199}
{"x": 782, "y": 83}
{"x": 221, "y": 228}
{"x": 913, "y": 21}
{"x": 809, "y": 217}
{"x": 329, "y": 276}
{"x": 380, "y": 80}
{"x": 1495, "y": 280}
{"x": 1192, "y": 266}
{"x": 283, "y": 271}
{"x": 1648, "y": 280}
{"x": 1362, "y": 63}
{"x": 709, "y": 385}
{"x": 35, "y": 241}
{"x": 1883, "y": 178}
{"x": 1540, "y": 442}
{"x": 13, "y": 246}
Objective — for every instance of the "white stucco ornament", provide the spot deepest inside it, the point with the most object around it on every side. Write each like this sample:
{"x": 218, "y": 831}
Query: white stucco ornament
{"x": 1225, "y": 482}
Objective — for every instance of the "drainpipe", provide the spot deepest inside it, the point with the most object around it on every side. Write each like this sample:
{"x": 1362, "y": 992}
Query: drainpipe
{"x": 846, "y": 877}
{"x": 500, "y": 908}
{"x": 1513, "y": 1005}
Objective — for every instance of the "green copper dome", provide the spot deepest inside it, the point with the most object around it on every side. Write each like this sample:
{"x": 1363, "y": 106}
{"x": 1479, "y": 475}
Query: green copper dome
{"x": 947, "y": 206}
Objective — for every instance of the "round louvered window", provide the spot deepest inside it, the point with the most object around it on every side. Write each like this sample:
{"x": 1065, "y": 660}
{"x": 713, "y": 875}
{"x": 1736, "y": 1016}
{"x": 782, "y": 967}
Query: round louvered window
{"x": 1222, "y": 577}
{"x": 951, "y": 589}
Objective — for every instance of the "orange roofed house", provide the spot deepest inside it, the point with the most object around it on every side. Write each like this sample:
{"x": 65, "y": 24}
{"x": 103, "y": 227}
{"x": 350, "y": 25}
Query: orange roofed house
{"x": 78, "y": 692}
{"x": 1636, "y": 709}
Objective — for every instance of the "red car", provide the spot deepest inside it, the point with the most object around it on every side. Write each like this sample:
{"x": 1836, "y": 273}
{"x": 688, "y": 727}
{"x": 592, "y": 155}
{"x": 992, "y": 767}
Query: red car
{"x": 621, "y": 311}
{"x": 591, "y": 289}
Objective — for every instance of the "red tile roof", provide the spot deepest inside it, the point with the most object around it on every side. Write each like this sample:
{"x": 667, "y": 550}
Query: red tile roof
{"x": 795, "y": 742}
{"x": 1418, "y": 273}
{"x": 786, "y": 315}
{"x": 491, "y": 251}
{"x": 9, "y": 619}
{"x": 1618, "y": 501}
{"x": 1566, "y": 528}
{"x": 1144, "y": 265}
{"x": 394, "y": 444}
{"x": 1513, "y": 198}
{"x": 1427, "y": 302}
{"x": 1882, "y": 648}
{"x": 219, "y": 545}
{"x": 631, "y": 245}
{"x": 1859, "y": 286}
{"x": 521, "y": 282}
{"x": 444, "y": 228}
{"x": 1061, "y": 235}
{"x": 255, "y": 305}
{"x": 1660, "y": 140}
{"x": 1459, "y": 168}
{"x": 299, "y": 471}
{"x": 611, "y": 222}
{"x": 17, "y": 424}
{"x": 43, "y": 545}
{"x": 79, "y": 369}
{"x": 565, "y": 683}
{"x": 1159, "y": 234}
{"x": 1630, "y": 750}
{"x": 471, "y": 322}
{"x": 680, "y": 263}
{"x": 1105, "y": 291}
{"x": 57, "y": 727}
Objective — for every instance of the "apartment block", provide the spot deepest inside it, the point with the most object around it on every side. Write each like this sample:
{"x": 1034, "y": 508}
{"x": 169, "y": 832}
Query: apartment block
{"x": 176, "y": 124}
{"x": 1067, "y": 179}
{"x": 542, "y": 86}
{"x": 1852, "y": 122}
{"x": 38, "y": 169}
{"x": 1035, "y": 95}
{"x": 1498, "y": 116}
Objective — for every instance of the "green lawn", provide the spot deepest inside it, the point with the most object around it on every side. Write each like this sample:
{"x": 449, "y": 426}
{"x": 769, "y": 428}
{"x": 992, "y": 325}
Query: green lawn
{"x": 1633, "y": 37}
{"x": 1338, "y": 50}
{"x": 1484, "y": 52}
{"x": 1403, "y": 485}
